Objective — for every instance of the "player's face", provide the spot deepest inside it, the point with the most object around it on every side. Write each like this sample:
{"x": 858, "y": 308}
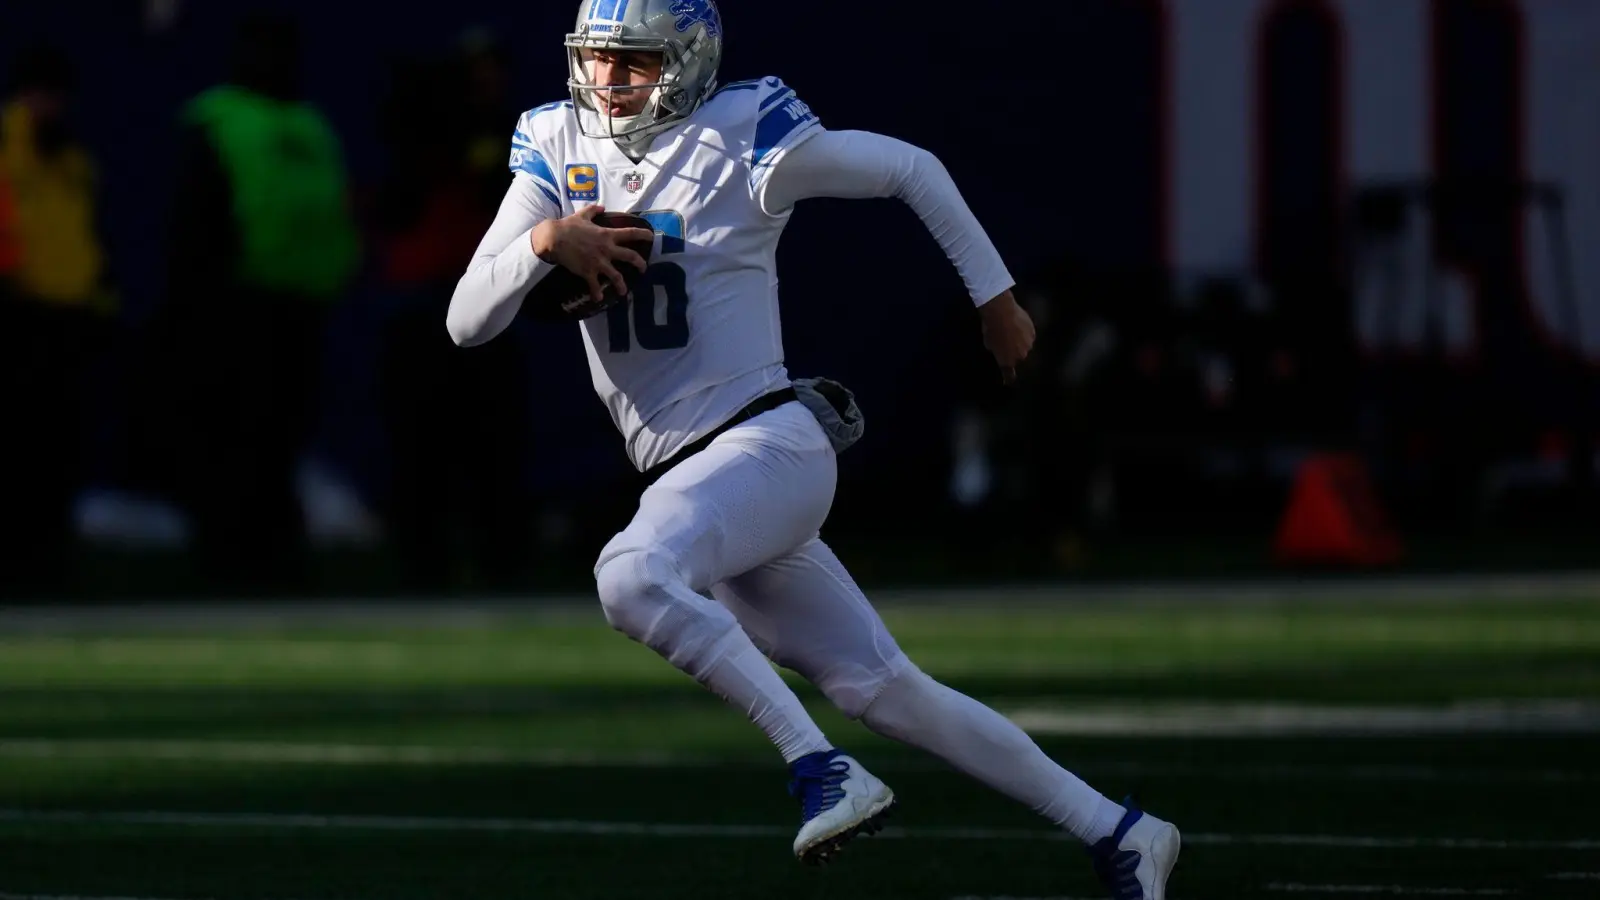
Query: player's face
{"x": 623, "y": 71}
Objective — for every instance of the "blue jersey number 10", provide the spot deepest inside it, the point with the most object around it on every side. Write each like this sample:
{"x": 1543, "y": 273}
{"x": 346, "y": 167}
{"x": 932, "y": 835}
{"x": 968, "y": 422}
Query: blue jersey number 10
{"x": 664, "y": 278}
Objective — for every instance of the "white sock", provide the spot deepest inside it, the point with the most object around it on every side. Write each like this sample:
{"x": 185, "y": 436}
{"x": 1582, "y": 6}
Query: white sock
{"x": 914, "y": 709}
{"x": 737, "y": 672}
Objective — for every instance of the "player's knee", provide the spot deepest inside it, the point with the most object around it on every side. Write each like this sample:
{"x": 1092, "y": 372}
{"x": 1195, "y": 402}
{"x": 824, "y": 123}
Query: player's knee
{"x": 854, "y": 690}
{"x": 904, "y": 689}
{"x": 633, "y": 590}
{"x": 645, "y": 597}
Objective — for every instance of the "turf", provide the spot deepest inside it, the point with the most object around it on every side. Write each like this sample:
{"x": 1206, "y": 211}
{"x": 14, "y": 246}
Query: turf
{"x": 544, "y": 756}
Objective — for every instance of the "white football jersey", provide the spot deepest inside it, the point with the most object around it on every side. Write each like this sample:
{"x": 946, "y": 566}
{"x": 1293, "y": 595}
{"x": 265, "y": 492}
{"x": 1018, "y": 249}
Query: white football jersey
{"x": 701, "y": 337}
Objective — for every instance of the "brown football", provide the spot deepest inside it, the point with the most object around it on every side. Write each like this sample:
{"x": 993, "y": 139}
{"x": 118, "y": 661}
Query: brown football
{"x": 563, "y": 296}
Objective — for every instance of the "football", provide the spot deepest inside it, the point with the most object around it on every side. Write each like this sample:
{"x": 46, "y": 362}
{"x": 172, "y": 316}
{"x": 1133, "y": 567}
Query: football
{"x": 563, "y": 296}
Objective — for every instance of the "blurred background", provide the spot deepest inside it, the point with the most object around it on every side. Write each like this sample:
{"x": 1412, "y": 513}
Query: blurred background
{"x": 1312, "y": 281}
{"x": 1287, "y": 531}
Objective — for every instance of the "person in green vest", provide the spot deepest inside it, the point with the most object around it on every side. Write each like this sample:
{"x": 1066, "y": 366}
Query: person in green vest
{"x": 262, "y": 244}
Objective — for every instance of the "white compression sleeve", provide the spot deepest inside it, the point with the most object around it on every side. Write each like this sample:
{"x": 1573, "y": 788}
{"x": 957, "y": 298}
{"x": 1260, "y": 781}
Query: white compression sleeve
{"x": 860, "y": 165}
{"x": 916, "y": 710}
{"x": 503, "y": 269}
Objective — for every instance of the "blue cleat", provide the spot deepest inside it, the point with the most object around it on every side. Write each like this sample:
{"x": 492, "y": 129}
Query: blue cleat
{"x": 1134, "y": 862}
{"x": 838, "y": 800}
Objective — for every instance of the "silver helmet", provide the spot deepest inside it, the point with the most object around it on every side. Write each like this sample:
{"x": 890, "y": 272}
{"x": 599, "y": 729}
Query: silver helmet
{"x": 687, "y": 34}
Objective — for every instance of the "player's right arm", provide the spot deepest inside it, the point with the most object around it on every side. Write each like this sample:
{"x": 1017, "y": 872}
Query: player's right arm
{"x": 505, "y": 267}
{"x": 528, "y": 239}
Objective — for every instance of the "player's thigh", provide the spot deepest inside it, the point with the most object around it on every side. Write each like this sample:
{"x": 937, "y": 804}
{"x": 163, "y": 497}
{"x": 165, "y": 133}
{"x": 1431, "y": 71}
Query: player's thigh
{"x": 752, "y": 496}
{"x": 807, "y": 614}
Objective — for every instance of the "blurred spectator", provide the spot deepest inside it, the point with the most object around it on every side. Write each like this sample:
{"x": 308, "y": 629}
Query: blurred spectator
{"x": 458, "y": 423}
{"x": 55, "y": 309}
{"x": 262, "y": 243}
{"x": 1035, "y": 441}
{"x": 485, "y": 68}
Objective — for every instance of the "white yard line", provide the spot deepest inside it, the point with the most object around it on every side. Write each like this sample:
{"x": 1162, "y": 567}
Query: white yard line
{"x": 1279, "y": 887}
{"x": 1388, "y": 890}
{"x": 1172, "y": 719}
{"x": 580, "y": 827}
{"x": 997, "y": 897}
{"x": 5, "y": 896}
{"x": 1291, "y": 719}
{"x": 336, "y": 754}
{"x": 332, "y": 754}
{"x": 43, "y": 616}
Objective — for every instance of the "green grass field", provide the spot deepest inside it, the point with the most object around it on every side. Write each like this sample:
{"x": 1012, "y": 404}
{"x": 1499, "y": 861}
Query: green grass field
{"x": 1375, "y": 747}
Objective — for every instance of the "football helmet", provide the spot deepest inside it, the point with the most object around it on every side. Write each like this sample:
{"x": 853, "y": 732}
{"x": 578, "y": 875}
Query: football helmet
{"x": 687, "y": 34}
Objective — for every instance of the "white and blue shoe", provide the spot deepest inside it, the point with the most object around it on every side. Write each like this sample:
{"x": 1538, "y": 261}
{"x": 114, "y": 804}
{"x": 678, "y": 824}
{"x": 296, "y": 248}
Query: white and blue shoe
{"x": 1135, "y": 861}
{"x": 839, "y": 799}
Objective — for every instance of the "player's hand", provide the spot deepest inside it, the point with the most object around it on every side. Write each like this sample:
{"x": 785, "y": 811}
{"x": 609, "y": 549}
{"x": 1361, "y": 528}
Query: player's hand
{"x": 1007, "y": 332}
{"x": 589, "y": 251}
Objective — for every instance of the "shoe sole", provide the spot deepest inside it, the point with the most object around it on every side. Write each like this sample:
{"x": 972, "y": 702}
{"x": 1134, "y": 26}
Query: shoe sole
{"x": 825, "y": 848}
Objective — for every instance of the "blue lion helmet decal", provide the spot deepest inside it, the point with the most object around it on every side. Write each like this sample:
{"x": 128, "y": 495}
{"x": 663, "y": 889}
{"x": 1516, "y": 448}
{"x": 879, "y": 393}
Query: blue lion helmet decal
{"x": 689, "y": 12}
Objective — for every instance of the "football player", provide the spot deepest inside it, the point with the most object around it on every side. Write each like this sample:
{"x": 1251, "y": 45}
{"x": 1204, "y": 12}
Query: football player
{"x": 722, "y": 567}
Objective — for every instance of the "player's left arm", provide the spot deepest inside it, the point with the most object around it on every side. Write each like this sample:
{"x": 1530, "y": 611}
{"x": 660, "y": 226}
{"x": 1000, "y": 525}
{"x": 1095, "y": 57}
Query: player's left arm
{"x": 860, "y": 165}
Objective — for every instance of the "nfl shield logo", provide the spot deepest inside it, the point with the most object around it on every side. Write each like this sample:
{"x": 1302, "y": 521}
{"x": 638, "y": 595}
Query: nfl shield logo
{"x": 633, "y": 181}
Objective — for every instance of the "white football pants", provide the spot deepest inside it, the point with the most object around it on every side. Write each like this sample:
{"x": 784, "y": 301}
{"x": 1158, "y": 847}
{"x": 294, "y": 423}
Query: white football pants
{"x": 739, "y": 521}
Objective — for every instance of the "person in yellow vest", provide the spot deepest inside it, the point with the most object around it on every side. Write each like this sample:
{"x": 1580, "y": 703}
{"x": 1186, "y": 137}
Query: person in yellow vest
{"x": 262, "y": 244}
{"x": 55, "y": 315}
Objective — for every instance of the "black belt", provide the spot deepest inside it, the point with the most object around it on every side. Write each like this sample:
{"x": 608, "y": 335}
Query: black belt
{"x": 764, "y": 403}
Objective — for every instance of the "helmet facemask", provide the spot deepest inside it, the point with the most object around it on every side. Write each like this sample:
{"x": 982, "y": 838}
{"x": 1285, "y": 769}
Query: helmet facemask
{"x": 670, "y": 101}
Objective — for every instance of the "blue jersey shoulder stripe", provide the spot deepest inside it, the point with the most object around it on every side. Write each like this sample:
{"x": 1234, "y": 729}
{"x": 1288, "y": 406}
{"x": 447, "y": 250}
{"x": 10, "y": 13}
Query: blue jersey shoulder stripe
{"x": 775, "y": 129}
{"x": 777, "y": 98}
{"x": 533, "y": 163}
{"x": 548, "y": 106}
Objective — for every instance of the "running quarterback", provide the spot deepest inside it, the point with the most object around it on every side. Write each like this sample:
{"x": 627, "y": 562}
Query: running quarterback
{"x": 722, "y": 566}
